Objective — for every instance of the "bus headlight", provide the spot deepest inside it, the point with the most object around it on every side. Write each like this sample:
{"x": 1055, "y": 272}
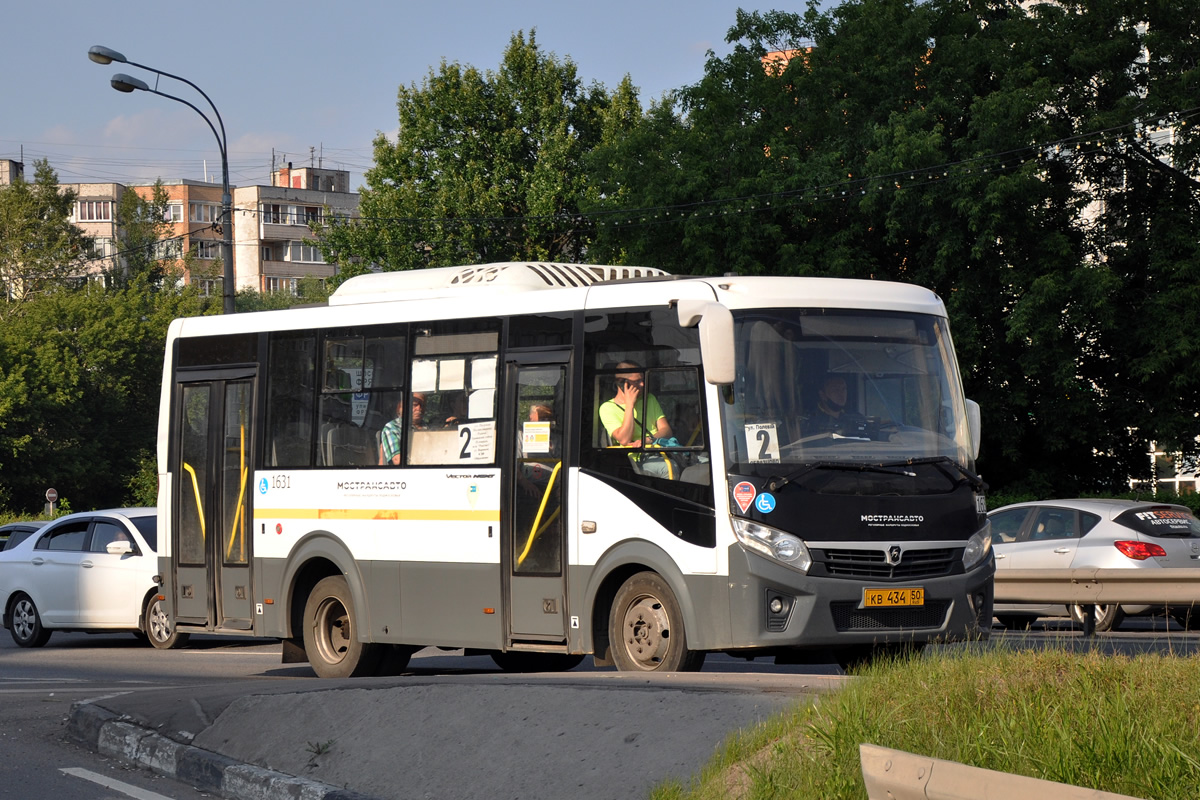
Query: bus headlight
{"x": 783, "y": 547}
{"x": 978, "y": 547}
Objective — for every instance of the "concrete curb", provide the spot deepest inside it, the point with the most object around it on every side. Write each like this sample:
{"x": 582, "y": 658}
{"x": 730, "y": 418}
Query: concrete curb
{"x": 109, "y": 734}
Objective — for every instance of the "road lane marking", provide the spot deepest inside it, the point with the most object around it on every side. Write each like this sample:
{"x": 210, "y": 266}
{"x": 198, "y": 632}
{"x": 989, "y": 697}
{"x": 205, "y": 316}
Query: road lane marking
{"x": 127, "y": 789}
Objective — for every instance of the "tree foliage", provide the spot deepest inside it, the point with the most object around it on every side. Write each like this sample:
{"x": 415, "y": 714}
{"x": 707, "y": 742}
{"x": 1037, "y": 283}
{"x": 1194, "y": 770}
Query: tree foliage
{"x": 486, "y": 166}
{"x": 1032, "y": 164}
{"x": 39, "y": 246}
{"x": 81, "y": 364}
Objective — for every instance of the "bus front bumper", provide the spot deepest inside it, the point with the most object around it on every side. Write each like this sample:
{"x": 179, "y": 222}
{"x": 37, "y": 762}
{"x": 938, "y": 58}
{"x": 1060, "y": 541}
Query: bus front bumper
{"x": 776, "y": 607}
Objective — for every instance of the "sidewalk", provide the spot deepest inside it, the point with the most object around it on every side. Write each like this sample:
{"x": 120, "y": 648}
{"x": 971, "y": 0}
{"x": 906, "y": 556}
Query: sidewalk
{"x": 602, "y": 735}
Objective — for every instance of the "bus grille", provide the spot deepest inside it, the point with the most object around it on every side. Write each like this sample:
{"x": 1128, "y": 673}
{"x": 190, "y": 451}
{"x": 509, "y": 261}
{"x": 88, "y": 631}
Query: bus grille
{"x": 848, "y": 617}
{"x": 872, "y": 564}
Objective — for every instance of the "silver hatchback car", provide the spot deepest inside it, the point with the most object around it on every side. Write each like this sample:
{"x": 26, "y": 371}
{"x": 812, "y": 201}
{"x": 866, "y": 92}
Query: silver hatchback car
{"x": 1074, "y": 534}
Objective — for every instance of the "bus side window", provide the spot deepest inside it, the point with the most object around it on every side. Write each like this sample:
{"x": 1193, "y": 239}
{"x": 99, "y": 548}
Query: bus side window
{"x": 291, "y": 389}
{"x": 650, "y": 347}
{"x": 455, "y": 368}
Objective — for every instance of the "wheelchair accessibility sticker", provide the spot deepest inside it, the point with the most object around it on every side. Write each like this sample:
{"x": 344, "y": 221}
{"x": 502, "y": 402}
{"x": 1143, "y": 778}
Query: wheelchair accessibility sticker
{"x": 765, "y": 503}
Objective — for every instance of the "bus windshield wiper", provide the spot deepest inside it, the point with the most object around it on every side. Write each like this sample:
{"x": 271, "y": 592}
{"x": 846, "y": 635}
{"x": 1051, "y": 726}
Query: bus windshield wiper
{"x": 941, "y": 463}
{"x": 775, "y": 483}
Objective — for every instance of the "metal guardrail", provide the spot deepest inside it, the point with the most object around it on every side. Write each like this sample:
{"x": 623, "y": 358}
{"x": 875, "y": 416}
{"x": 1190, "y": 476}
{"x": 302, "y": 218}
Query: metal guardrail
{"x": 1098, "y": 586}
{"x": 897, "y": 775}
{"x": 1092, "y": 586}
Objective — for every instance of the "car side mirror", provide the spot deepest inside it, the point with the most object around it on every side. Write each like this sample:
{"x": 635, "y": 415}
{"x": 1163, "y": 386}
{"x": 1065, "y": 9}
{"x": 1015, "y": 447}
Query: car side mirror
{"x": 119, "y": 548}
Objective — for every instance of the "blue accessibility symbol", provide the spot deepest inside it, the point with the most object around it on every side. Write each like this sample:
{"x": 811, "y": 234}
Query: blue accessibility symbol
{"x": 765, "y": 502}
{"x": 262, "y": 486}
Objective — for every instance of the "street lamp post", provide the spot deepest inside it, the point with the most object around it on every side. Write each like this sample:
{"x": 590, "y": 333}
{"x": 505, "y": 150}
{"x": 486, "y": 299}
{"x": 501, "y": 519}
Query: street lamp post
{"x": 126, "y": 83}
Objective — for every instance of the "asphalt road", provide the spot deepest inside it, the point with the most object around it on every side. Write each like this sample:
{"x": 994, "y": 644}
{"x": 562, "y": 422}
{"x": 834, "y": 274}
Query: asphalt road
{"x": 39, "y": 686}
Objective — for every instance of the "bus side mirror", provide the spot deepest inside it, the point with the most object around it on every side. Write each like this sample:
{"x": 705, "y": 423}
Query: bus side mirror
{"x": 716, "y": 337}
{"x": 973, "y": 421}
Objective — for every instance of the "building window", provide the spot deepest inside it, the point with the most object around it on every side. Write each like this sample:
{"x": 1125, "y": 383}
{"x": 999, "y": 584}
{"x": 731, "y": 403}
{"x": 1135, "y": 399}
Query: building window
{"x": 209, "y": 287}
{"x": 93, "y": 211}
{"x": 204, "y": 212}
{"x": 103, "y": 247}
{"x": 282, "y": 285}
{"x": 304, "y": 252}
{"x": 279, "y": 214}
{"x": 168, "y": 248}
{"x": 207, "y": 248}
{"x": 173, "y": 213}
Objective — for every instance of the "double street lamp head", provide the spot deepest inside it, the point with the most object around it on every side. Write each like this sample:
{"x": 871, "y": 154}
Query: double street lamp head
{"x": 104, "y": 55}
{"x": 127, "y": 83}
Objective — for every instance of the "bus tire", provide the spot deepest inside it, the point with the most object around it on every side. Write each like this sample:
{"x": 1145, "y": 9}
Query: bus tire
{"x": 517, "y": 661}
{"x": 331, "y": 633}
{"x": 159, "y": 630}
{"x": 645, "y": 628}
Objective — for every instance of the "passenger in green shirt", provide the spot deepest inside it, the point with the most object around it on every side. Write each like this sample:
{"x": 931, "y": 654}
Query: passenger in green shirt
{"x": 622, "y": 416}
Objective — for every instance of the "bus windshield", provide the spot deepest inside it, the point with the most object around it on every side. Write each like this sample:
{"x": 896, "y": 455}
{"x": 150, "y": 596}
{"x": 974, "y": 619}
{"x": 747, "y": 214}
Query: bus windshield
{"x": 856, "y": 386}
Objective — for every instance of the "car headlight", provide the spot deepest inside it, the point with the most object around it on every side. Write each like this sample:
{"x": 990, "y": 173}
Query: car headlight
{"x": 978, "y": 547}
{"x": 772, "y": 543}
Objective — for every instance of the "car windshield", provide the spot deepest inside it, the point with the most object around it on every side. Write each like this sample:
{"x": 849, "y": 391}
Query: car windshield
{"x": 148, "y": 527}
{"x": 853, "y": 386}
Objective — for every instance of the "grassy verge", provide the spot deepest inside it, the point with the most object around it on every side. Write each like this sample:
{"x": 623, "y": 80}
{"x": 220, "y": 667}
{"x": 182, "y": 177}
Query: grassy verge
{"x": 1123, "y": 724}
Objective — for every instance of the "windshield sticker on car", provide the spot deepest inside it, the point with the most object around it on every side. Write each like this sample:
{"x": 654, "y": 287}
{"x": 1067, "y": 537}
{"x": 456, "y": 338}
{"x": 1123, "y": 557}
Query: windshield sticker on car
{"x": 743, "y": 495}
{"x": 1165, "y": 518}
{"x": 762, "y": 442}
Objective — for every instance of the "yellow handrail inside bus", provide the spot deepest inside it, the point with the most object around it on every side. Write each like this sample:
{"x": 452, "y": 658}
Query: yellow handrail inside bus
{"x": 196, "y": 489}
{"x": 237, "y": 515}
{"x": 534, "y": 530}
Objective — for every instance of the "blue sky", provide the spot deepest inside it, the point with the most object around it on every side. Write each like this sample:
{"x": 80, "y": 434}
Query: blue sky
{"x": 313, "y": 81}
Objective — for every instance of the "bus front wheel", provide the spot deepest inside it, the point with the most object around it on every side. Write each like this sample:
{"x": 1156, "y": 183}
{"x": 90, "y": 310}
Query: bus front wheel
{"x": 331, "y": 633}
{"x": 645, "y": 628}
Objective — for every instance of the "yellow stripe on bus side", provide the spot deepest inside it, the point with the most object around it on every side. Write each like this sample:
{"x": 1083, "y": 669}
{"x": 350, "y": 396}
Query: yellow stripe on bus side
{"x": 378, "y": 513}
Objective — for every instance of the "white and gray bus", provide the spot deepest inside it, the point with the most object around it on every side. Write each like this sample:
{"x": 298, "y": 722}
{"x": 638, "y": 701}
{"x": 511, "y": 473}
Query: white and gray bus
{"x": 437, "y": 457}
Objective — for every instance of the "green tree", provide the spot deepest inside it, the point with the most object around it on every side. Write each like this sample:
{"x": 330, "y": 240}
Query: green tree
{"x": 39, "y": 246}
{"x": 486, "y": 167}
{"x": 81, "y": 373}
{"x": 145, "y": 250}
{"x": 1004, "y": 157}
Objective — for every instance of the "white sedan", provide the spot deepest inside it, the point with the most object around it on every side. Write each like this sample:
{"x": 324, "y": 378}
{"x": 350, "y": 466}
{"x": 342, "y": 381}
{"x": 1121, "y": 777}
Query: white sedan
{"x": 91, "y": 571}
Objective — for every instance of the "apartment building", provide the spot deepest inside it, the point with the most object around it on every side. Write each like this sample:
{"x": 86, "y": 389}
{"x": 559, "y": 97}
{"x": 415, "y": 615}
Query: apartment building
{"x": 274, "y": 245}
{"x": 194, "y": 212}
{"x": 95, "y": 213}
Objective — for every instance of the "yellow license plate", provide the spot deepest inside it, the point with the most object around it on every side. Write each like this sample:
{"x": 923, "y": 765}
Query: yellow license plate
{"x": 881, "y": 598}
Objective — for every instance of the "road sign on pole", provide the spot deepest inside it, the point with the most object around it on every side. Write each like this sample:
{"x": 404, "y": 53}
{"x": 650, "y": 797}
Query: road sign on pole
{"x": 51, "y": 495}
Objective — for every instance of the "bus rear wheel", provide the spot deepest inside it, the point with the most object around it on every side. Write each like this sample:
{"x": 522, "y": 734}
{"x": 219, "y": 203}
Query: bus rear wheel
{"x": 331, "y": 633}
{"x": 645, "y": 628}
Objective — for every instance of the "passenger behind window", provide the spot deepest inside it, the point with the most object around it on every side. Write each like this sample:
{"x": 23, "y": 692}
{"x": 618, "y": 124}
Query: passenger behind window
{"x": 623, "y": 415}
{"x": 624, "y": 418}
{"x": 392, "y": 434}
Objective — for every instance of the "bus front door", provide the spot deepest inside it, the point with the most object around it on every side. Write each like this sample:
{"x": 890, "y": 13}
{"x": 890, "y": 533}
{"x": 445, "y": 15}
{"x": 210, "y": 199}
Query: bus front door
{"x": 211, "y": 548}
{"x": 535, "y": 553}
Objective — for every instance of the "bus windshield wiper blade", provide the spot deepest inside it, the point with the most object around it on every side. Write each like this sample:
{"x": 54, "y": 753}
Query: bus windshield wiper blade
{"x": 941, "y": 462}
{"x": 774, "y": 483}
